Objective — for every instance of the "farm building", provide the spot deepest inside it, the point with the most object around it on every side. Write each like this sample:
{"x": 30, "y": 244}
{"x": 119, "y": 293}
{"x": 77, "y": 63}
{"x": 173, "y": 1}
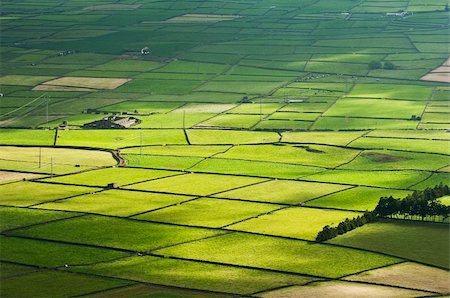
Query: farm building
{"x": 113, "y": 122}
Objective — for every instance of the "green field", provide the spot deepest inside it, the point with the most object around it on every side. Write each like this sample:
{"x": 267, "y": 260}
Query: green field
{"x": 222, "y": 137}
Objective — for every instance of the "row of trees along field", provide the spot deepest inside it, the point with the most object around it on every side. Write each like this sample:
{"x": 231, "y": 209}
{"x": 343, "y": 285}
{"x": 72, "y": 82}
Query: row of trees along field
{"x": 421, "y": 203}
{"x": 345, "y": 226}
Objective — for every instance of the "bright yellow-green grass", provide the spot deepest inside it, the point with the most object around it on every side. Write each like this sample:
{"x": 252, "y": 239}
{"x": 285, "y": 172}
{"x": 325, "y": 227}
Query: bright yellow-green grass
{"x": 59, "y": 156}
{"x": 11, "y": 217}
{"x": 194, "y": 275}
{"x": 208, "y": 212}
{"x": 208, "y": 137}
{"x": 115, "y": 232}
{"x": 329, "y": 137}
{"x": 325, "y": 156}
{"x": 178, "y": 150}
{"x": 280, "y": 254}
{"x": 297, "y": 222}
{"x": 120, "y": 176}
{"x": 389, "y": 179}
{"x": 283, "y": 191}
{"x": 116, "y": 202}
{"x": 30, "y": 193}
{"x": 196, "y": 184}
{"x": 359, "y": 198}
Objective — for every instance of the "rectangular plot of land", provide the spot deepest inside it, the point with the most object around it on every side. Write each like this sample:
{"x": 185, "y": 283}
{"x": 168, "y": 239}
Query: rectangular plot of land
{"x": 194, "y": 275}
{"x": 393, "y": 179}
{"x": 103, "y": 177}
{"x": 231, "y": 120}
{"x": 283, "y": 191}
{"x": 254, "y": 168}
{"x": 392, "y": 91}
{"x": 314, "y": 155}
{"x": 83, "y": 82}
{"x": 423, "y": 242}
{"x": 280, "y": 254}
{"x": 410, "y": 275}
{"x": 11, "y": 217}
{"x": 116, "y": 233}
{"x": 376, "y": 108}
{"x": 11, "y": 176}
{"x": 201, "y": 18}
{"x": 298, "y": 222}
{"x": 56, "y": 284}
{"x": 29, "y": 193}
{"x": 208, "y": 212}
{"x": 116, "y": 202}
{"x": 48, "y": 254}
{"x": 340, "y": 289}
{"x": 196, "y": 184}
{"x": 358, "y": 198}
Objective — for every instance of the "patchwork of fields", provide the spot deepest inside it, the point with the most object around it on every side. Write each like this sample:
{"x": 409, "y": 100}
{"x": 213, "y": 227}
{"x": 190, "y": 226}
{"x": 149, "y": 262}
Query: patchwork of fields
{"x": 261, "y": 122}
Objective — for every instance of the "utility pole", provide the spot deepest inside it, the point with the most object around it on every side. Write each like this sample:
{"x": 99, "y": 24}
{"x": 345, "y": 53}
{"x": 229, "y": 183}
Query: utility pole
{"x": 51, "y": 165}
{"x": 184, "y": 119}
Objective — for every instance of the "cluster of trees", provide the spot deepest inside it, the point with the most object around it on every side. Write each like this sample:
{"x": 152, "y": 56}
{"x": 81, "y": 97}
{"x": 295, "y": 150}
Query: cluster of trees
{"x": 345, "y": 226}
{"x": 379, "y": 65}
{"x": 420, "y": 203}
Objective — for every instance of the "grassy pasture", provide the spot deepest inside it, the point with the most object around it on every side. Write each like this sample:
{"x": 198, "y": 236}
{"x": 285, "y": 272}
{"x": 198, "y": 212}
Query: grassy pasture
{"x": 207, "y": 137}
{"x": 316, "y": 155}
{"x": 389, "y": 179}
{"x": 254, "y": 168}
{"x": 102, "y": 177}
{"x": 391, "y": 91}
{"x": 280, "y": 254}
{"x": 30, "y": 193}
{"x": 116, "y": 233}
{"x": 196, "y": 184}
{"x": 195, "y": 275}
{"x": 142, "y": 107}
{"x": 376, "y": 108}
{"x": 26, "y": 137}
{"x": 181, "y": 150}
{"x": 424, "y": 242}
{"x": 56, "y": 284}
{"x": 119, "y": 138}
{"x": 398, "y": 160}
{"x": 161, "y": 162}
{"x": 348, "y": 123}
{"x": 115, "y": 202}
{"x": 208, "y": 212}
{"x": 57, "y": 156}
{"x": 297, "y": 222}
{"x": 288, "y": 192}
{"x": 11, "y": 217}
{"x": 359, "y": 198}
{"x": 414, "y": 145}
{"x": 231, "y": 120}
{"x": 329, "y": 138}
{"x": 46, "y": 254}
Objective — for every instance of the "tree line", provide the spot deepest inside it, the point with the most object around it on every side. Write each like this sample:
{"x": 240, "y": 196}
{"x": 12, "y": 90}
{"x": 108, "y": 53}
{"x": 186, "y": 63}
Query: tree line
{"x": 345, "y": 226}
{"x": 421, "y": 203}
